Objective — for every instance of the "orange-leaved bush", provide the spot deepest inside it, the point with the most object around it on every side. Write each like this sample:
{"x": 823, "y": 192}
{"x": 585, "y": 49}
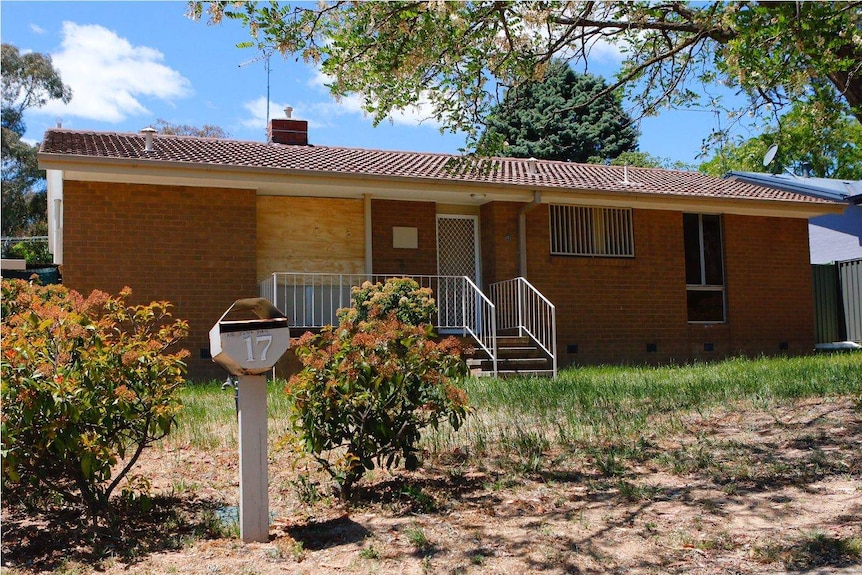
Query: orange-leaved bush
{"x": 410, "y": 303}
{"x": 369, "y": 387}
{"x": 87, "y": 384}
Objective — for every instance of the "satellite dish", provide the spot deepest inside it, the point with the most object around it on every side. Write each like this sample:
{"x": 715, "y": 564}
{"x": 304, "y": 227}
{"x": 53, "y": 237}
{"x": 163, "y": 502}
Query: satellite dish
{"x": 770, "y": 155}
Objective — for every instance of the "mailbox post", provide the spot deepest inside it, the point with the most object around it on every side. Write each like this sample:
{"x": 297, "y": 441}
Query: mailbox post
{"x": 247, "y": 348}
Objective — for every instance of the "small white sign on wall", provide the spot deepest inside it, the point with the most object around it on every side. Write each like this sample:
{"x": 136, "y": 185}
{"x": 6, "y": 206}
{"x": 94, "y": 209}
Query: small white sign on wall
{"x": 405, "y": 238}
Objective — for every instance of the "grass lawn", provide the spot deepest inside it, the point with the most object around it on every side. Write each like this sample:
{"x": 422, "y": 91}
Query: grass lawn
{"x": 741, "y": 466}
{"x": 583, "y": 405}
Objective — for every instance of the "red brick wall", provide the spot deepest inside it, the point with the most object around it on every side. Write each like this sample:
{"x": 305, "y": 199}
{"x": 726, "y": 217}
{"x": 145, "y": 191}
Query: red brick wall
{"x": 612, "y": 308}
{"x": 386, "y": 214}
{"x": 499, "y": 239}
{"x": 194, "y": 247}
{"x": 770, "y": 297}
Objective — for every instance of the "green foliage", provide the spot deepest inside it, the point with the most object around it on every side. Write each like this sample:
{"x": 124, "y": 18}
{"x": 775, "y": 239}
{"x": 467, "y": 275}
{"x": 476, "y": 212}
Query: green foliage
{"x": 775, "y": 50}
{"x": 370, "y": 386}
{"x": 815, "y": 133}
{"x": 402, "y": 296}
{"x": 29, "y": 81}
{"x": 35, "y": 251}
{"x": 544, "y": 119}
{"x": 87, "y": 384}
{"x": 417, "y": 538}
{"x": 205, "y": 131}
{"x": 460, "y": 56}
{"x": 641, "y": 160}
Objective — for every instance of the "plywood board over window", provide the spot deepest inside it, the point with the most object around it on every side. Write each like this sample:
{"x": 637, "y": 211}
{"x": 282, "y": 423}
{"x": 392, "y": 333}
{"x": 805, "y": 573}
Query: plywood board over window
{"x": 324, "y": 235}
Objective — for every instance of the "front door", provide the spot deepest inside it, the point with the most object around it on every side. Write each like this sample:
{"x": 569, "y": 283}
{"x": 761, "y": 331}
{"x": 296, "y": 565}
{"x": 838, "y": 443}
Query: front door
{"x": 457, "y": 255}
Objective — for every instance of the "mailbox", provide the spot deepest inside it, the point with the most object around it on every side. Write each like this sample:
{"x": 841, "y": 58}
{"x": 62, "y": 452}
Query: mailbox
{"x": 250, "y": 337}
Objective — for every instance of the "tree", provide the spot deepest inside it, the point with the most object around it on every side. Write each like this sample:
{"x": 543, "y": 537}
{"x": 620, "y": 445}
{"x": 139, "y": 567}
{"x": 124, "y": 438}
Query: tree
{"x": 641, "y": 160}
{"x": 824, "y": 141}
{"x": 543, "y": 119}
{"x": 205, "y": 131}
{"x": 28, "y": 81}
{"x": 461, "y": 56}
{"x": 372, "y": 384}
{"x": 88, "y": 384}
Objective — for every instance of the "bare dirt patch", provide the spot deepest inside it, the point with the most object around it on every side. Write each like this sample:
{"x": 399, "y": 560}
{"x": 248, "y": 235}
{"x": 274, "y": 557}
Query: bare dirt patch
{"x": 762, "y": 491}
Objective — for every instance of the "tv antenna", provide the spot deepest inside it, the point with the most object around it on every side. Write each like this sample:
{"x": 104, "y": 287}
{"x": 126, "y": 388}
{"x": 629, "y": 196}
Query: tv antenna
{"x": 265, "y": 55}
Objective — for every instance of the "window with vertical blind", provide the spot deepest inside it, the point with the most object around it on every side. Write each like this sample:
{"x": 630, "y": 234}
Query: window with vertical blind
{"x": 590, "y": 231}
{"x": 704, "y": 268}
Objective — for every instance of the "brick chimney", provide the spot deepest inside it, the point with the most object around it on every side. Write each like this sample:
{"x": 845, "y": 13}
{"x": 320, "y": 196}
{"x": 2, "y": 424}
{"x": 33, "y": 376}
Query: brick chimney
{"x": 287, "y": 130}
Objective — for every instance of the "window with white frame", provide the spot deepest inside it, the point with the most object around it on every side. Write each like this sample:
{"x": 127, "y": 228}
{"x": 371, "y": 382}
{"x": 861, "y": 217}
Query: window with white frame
{"x": 704, "y": 268}
{"x": 590, "y": 231}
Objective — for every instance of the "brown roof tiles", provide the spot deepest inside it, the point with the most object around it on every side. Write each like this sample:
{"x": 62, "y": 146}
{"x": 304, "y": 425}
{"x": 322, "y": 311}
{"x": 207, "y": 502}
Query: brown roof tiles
{"x": 411, "y": 165}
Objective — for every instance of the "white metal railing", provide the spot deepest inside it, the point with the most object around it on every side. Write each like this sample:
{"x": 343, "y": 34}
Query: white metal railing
{"x": 9, "y": 241}
{"x": 521, "y": 306}
{"x": 311, "y": 300}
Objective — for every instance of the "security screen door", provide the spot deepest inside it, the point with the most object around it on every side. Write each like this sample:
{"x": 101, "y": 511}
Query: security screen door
{"x": 457, "y": 255}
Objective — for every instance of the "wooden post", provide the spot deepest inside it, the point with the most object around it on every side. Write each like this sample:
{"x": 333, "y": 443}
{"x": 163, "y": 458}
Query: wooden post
{"x": 253, "y": 459}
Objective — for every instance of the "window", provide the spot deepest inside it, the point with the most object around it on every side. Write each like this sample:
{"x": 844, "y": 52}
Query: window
{"x": 583, "y": 231}
{"x": 704, "y": 268}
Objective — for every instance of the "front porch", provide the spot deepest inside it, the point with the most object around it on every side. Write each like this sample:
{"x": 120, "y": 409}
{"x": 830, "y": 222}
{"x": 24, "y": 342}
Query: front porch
{"x": 513, "y": 326}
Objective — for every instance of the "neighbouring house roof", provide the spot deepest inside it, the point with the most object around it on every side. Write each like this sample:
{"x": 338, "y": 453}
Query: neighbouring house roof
{"x": 831, "y": 237}
{"x": 828, "y": 188}
{"x": 74, "y": 150}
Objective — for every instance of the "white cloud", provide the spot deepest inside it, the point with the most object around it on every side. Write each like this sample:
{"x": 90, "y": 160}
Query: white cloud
{"x": 37, "y": 29}
{"x": 420, "y": 114}
{"x": 321, "y": 113}
{"x": 606, "y": 52}
{"x": 257, "y": 112}
{"x": 109, "y": 77}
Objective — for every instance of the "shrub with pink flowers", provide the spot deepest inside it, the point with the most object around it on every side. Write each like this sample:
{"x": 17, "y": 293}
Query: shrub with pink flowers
{"x": 87, "y": 384}
{"x": 370, "y": 386}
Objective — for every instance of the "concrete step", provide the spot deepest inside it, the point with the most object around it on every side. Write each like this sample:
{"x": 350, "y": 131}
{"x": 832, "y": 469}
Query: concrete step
{"x": 513, "y": 341}
{"x": 519, "y": 363}
{"x": 516, "y": 373}
{"x": 517, "y": 355}
{"x": 511, "y": 352}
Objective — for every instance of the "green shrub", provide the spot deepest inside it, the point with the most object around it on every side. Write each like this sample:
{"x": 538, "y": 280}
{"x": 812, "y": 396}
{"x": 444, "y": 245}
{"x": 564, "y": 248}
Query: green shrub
{"x": 87, "y": 383}
{"x": 369, "y": 387}
{"x": 34, "y": 251}
{"x": 410, "y": 303}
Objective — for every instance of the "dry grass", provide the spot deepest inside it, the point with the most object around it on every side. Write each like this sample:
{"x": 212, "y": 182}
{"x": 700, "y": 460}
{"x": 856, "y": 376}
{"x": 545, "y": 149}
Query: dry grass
{"x": 706, "y": 480}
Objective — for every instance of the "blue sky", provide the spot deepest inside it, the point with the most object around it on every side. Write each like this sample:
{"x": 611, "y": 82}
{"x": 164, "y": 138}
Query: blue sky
{"x": 130, "y": 63}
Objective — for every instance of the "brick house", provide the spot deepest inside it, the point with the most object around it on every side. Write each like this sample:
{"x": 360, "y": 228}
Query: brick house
{"x": 617, "y": 265}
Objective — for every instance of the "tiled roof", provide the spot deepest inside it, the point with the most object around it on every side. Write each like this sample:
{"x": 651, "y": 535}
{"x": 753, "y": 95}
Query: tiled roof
{"x": 326, "y": 160}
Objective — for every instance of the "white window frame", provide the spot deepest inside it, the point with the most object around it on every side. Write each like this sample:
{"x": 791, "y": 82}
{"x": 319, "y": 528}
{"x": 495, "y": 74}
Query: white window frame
{"x": 591, "y": 231}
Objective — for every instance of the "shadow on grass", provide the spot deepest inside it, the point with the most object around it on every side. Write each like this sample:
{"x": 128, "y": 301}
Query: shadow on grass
{"x": 46, "y": 540}
{"x": 416, "y": 493}
{"x": 315, "y": 536}
{"x": 806, "y": 457}
{"x": 813, "y": 552}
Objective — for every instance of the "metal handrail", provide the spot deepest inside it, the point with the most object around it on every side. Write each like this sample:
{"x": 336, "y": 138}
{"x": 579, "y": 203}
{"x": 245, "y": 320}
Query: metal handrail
{"x": 311, "y": 300}
{"x": 521, "y": 306}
